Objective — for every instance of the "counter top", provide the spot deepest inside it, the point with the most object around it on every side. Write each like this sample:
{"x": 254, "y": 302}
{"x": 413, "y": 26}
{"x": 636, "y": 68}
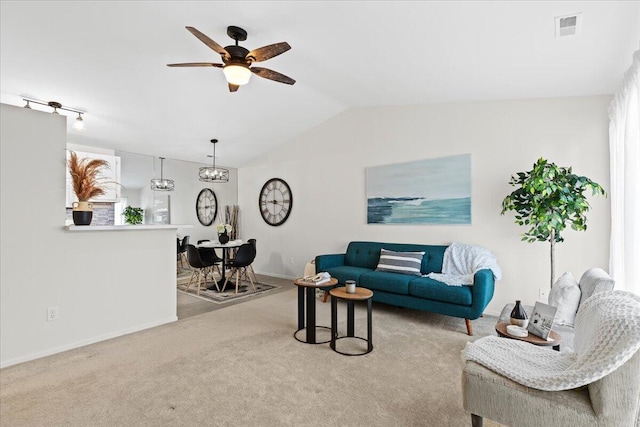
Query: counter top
{"x": 125, "y": 227}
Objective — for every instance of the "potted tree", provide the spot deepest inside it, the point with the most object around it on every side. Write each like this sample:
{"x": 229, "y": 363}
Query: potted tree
{"x": 547, "y": 199}
{"x": 88, "y": 183}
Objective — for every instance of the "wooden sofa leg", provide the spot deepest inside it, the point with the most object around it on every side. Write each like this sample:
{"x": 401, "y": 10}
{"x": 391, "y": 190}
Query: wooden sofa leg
{"x": 326, "y": 295}
{"x": 476, "y": 420}
{"x": 469, "y": 327}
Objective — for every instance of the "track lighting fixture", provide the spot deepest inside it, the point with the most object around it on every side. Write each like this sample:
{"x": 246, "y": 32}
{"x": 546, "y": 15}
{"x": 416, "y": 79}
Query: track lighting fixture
{"x": 78, "y": 125}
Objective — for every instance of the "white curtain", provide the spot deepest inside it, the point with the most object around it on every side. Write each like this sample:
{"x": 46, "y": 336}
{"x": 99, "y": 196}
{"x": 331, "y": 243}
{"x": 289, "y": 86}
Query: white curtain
{"x": 624, "y": 147}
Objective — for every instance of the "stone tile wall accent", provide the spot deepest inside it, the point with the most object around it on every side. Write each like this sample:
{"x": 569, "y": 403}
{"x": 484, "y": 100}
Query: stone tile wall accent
{"x": 103, "y": 214}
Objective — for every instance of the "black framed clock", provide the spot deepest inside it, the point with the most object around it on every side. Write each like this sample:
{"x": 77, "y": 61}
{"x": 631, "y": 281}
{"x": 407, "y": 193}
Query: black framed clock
{"x": 275, "y": 201}
{"x": 206, "y": 206}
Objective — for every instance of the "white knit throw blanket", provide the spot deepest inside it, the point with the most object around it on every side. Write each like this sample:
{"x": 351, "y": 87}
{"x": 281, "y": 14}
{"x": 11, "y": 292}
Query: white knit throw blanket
{"x": 462, "y": 261}
{"x": 607, "y": 334}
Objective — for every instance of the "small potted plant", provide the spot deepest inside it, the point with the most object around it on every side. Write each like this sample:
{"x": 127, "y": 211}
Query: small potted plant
{"x": 88, "y": 183}
{"x": 223, "y": 232}
{"x": 132, "y": 216}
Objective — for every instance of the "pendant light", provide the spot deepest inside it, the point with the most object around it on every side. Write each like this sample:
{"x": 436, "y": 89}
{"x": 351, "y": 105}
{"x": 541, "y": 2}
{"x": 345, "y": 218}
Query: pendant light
{"x": 212, "y": 173}
{"x": 162, "y": 184}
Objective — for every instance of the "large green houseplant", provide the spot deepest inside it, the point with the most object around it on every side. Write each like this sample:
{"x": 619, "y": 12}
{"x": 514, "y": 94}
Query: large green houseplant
{"x": 547, "y": 199}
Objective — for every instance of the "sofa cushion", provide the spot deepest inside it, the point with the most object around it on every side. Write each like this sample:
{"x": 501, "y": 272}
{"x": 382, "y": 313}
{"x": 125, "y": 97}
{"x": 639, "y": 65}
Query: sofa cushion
{"x": 385, "y": 281}
{"x": 595, "y": 280}
{"x": 367, "y": 254}
{"x": 345, "y": 272}
{"x": 565, "y": 295}
{"x": 400, "y": 262}
{"x": 425, "y": 287}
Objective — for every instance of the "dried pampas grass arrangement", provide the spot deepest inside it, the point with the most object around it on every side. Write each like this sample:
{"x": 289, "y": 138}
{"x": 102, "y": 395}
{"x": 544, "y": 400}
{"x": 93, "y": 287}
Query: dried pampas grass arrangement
{"x": 86, "y": 175}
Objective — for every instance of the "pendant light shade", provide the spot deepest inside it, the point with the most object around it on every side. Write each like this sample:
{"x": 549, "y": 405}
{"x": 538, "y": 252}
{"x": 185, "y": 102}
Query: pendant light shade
{"x": 162, "y": 184}
{"x": 212, "y": 173}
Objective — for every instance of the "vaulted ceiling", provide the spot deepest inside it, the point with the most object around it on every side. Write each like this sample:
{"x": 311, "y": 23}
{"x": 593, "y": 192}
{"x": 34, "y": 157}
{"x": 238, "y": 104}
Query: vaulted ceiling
{"x": 109, "y": 58}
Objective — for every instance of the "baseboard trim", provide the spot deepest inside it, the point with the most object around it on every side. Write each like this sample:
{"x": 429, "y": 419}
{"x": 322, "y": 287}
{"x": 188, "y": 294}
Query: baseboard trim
{"x": 82, "y": 343}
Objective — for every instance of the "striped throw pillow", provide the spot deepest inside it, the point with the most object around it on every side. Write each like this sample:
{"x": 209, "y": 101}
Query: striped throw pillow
{"x": 400, "y": 262}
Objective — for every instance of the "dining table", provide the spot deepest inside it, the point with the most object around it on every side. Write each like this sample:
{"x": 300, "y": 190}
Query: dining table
{"x": 212, "y": 244}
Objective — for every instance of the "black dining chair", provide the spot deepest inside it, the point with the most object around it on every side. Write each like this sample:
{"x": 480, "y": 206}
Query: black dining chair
{"x": 200, "y": 268}
{"x": 182, "y": 251}
{"x": 238, "y": 265}
{"x": 209, "y": 256}
{"x": 252, "y": 242}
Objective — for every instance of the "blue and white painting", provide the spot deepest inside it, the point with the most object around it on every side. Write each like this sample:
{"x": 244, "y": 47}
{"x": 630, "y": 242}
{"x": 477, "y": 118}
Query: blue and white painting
{"x": 432, "y": 191}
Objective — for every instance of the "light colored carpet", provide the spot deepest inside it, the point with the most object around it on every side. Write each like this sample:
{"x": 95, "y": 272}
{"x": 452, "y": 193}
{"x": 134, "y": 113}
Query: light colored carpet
{"x": 241, "y": 366}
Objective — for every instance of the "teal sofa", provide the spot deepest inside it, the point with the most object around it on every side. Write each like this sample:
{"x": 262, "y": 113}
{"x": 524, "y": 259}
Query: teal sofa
{"x": 421, "y": 293}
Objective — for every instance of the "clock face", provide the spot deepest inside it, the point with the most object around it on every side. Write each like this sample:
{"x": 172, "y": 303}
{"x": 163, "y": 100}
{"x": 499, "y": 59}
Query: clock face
{"x": 275, "y": 201}
{"x": 206, "y": 206}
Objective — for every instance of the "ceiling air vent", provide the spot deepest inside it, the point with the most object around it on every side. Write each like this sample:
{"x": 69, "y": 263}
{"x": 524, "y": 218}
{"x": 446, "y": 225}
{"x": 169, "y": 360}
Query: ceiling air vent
{"x": 568, "y": 25}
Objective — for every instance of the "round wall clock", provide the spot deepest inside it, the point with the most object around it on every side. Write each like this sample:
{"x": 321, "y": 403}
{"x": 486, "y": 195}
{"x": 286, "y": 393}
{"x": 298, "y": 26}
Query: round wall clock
{"x": 206, "y": 206}
{"x": 275, "y": 201}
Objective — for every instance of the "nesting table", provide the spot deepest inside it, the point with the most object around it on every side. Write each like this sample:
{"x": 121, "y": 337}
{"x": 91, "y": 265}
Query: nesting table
{"x": 361, "y": 294}
{"x": 310, "y": 325}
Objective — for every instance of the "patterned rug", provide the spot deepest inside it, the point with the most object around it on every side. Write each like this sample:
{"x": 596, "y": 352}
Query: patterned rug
{"x": 245, "y": 290}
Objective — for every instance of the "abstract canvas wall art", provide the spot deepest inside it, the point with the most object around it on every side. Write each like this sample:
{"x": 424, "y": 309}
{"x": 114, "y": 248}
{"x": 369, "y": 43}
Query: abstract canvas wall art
{"x": 431, "y": 191}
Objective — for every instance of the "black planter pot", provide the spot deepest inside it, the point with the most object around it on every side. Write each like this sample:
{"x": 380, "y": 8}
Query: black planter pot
{"x": 82, "y": 217}
{"x": 223, "y": 238}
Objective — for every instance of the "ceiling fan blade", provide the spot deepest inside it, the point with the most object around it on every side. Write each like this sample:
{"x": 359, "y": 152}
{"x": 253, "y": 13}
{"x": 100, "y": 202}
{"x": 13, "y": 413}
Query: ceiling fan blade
{"x": 233, "y": 88}
{"x": 268, "y": 52}
{"x": 196, "y": 64}
{"x": 272, "y": 75}
{"x": 206, "y": 40}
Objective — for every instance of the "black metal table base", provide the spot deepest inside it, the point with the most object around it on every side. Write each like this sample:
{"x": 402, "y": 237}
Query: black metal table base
{"x": 295, "y": 335}
{"x": 350, "y": 326}
{"x": 308, "y": 322}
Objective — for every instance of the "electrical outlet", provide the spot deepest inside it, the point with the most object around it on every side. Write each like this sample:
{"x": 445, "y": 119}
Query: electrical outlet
{"x": 543, "y": 294}
{"x": 52, "y": 313}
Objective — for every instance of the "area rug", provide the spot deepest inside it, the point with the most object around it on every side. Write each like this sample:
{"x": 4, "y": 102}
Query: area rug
{"x": 245, "y": 290}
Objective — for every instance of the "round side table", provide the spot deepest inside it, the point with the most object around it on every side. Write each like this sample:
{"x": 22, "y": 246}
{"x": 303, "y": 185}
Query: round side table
{"x": 555, "y": 338}
{"x": 310, "y": 325}
{"x": 361, "y": 294}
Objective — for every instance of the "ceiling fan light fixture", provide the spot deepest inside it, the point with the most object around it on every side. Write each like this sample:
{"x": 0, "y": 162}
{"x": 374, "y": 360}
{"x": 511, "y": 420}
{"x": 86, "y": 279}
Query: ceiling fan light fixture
{"x": 237, "y": 74}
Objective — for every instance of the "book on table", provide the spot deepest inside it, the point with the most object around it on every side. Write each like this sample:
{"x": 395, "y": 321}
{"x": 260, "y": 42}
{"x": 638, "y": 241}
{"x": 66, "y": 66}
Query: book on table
{"x": 541, "y": 320}
{"x": 317, "y": 279}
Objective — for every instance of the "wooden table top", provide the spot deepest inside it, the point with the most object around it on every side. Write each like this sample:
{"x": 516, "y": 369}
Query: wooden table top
{"x": 361, "y": 293}
{"x": 300, "y": 282}
{"x": 501, "y": 329}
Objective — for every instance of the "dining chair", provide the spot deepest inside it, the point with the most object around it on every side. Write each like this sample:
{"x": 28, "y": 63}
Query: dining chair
{"x": 182, "y": 251}
{"x": 238, "y": 265}
{"x": 252, "y": 242}
{"x": 209, "y": 256}
{"x": 200, "y": 268}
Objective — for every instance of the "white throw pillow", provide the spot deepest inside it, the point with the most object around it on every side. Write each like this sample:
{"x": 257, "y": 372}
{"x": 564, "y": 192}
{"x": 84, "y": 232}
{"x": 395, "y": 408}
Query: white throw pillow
{"x": 595, "y": 280}
{"x": 565, "y": 295}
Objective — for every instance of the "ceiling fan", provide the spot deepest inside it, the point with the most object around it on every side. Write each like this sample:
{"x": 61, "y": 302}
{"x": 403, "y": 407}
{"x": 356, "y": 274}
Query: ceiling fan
{"x": 237, "y": 60}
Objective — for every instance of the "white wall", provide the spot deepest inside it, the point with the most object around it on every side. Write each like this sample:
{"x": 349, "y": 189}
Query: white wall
{"x": 137, "y": 169}
{"x": 105, "y": 284}
{"x": 325, "y": 168}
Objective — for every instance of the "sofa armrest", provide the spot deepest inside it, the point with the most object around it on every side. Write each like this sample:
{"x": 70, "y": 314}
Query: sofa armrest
{"x": 327, "y": 261}
{"x": 482, "y": 291}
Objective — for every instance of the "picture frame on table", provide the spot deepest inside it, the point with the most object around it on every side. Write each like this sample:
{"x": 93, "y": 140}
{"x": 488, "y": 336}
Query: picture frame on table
{"x": 541, "y": 320}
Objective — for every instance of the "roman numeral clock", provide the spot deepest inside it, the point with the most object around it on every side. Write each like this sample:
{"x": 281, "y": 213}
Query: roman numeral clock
{"x": 275, "y": 202}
